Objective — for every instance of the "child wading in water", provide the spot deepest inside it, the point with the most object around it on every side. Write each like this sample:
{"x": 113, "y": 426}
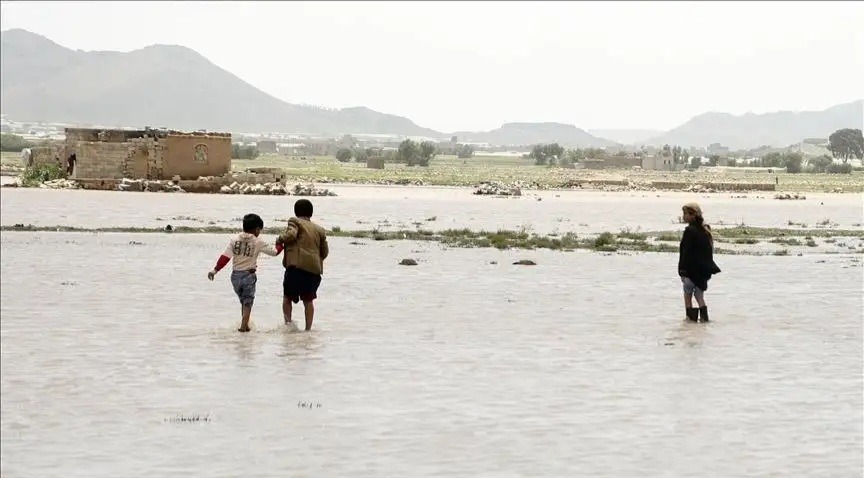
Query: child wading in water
{"x": 305, "y": 250}
{"x": 244, "y": 250}
{"x": 696, "y": 261}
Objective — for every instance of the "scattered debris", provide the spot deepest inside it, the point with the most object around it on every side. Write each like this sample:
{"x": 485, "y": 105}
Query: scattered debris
{"x": 525, "y": 262}
{"x": 793, "y": 196}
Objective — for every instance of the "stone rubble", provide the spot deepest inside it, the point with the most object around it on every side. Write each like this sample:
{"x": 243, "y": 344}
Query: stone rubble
{"x": 275, "y": 189}
{"x": 793, "y": 196}
{"x": 495, "y": 188}
{"x": 154, "y": 186}
{"x": 60, "y": 184}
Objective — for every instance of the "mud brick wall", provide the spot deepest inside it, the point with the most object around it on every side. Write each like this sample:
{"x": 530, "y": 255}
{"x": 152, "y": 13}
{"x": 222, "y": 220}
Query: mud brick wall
{"x": 179, "y": 155}
{"x": 48, "y": 155}
{"x": 101, "y": 160}
{"x": 144, "y": 160}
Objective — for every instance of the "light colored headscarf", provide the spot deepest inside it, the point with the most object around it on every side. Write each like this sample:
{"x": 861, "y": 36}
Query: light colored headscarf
{"x": 693, "y": 207}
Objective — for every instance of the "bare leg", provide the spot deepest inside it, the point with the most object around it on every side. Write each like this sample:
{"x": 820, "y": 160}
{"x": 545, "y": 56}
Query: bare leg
{"x": 309, "y": 310}
{"x": 246, "y": 311}
{"x": 700, "y": 299}
{"x": 286, "y": 310}
{"x": 688, "y": 300}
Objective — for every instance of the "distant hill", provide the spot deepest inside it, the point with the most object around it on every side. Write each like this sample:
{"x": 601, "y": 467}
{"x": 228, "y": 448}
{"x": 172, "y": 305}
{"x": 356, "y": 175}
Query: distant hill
{"x": 175, "y": 87}
{"x": 159, "y": 85}
{"x": 626, "y": 136}
{"x": 522, "y": 134}
{"x": 771, "y": 129}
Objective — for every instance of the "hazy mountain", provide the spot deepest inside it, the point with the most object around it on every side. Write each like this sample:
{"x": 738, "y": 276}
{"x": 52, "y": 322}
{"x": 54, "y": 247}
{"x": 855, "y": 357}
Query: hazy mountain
{"x": 521, "y": 134}
{"x": 626, "y": 136}
{"x": 175, "y": 87}
{"x": 159, "y": 85}
{"x": 778, "y": 129}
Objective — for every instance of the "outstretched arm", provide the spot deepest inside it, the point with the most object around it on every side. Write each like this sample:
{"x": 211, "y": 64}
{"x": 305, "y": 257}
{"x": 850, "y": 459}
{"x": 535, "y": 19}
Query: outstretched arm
{"x": 223, "y": 260}
{"x": 289, "y": 235}
{"x": 270, "y": 250}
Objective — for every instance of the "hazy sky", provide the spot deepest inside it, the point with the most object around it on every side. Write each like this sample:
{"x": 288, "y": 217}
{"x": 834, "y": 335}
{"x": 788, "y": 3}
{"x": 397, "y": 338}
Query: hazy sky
{"x": 472, "y": 66}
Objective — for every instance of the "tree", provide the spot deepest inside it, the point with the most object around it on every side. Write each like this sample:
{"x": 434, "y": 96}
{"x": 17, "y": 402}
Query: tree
{"x": 414, "y": 154}
{"x": 820, "y": 164}
{"x": 793, "y": 162}
{"x": 13, "y": 143}
{"x": 679, "y": 156}
{"x": 244, "y": 152}
{"x": 464, "y": 151}
{"x": 361, "y": 155}
{"x": 666, "y": 151}
{"x": 574, "y": 155}
{"x": 343, "y": 155}
{"x": 544, "y": 154}
{"x": 771, "y": 160}
{"x": 538, "y": 155}
{"x": 428, "y": 150}
{"x": 595, "y": 153}
{"x": 846, "y": 143}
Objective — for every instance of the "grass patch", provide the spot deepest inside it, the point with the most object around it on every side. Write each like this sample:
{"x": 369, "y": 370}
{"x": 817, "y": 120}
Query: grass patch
{"x": 35, "y": 176}
{"x": 500, "y": 239}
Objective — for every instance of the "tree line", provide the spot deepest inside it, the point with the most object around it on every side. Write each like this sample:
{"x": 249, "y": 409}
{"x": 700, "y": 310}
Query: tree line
{"x": 409, "y": 152}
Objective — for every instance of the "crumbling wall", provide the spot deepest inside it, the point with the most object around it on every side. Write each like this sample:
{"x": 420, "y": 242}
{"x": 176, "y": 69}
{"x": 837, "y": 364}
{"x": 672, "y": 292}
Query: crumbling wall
{"x": 144, "y": 160}
{"x": 101, "y": 160}
{"x": 146, "y": 154}
{"x": 48, "y": 155}
{"x": 194, "y": 155}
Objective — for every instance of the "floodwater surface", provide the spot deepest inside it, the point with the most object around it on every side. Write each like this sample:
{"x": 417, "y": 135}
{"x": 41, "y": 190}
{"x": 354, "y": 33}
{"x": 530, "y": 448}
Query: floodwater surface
{"x": 366, "y": 207}
{"x": 578, "y": 366}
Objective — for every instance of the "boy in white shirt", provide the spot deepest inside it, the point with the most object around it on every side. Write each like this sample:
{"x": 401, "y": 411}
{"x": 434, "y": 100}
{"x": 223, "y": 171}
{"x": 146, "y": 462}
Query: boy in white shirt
{"x": 244, "y": 250}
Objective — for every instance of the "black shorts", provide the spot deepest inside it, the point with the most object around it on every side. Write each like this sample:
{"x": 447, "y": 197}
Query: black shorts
{"x": 300, "y": 285}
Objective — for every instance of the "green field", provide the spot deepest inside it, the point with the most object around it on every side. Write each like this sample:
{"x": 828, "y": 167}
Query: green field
{"x": 451, "y": 171}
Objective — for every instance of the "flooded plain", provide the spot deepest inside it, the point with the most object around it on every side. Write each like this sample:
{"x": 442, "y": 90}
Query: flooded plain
{"x": 367, "y": 207}
{"x": 465, "y": 365}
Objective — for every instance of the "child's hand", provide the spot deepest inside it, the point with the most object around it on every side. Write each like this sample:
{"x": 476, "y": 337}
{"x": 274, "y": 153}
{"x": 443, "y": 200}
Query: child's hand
{"x": 211, "y": 275}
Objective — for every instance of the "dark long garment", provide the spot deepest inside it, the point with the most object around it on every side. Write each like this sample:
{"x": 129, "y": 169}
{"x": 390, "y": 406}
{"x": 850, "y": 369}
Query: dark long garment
{"x": 696, "y": 257}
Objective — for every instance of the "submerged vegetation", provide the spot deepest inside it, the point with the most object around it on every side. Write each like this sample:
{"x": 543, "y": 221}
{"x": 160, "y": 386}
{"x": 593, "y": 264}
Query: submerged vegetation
{"x": 625, "y": 240}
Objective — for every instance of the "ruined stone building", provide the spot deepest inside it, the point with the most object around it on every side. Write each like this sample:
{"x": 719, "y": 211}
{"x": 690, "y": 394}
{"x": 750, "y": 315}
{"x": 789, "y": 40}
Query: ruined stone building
{"x": 145, "y": 154}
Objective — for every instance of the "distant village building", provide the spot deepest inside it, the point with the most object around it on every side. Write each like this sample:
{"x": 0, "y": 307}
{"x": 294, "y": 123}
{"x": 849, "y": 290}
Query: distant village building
{"x": 266, "y": 146}
{"x": 144, "y": 154}
{"x": 613, "y": 162}
{"x": 717, "y": 149}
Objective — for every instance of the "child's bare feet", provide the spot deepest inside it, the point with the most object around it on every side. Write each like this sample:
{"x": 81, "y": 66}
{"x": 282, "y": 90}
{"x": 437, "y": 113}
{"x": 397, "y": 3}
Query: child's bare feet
{"x": 244, "y": 329}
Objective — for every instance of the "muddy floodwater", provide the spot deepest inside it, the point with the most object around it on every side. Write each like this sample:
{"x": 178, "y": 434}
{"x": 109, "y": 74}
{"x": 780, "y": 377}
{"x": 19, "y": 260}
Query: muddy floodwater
{"x": 366, "y": 207}
{"x": 464, "y": 365}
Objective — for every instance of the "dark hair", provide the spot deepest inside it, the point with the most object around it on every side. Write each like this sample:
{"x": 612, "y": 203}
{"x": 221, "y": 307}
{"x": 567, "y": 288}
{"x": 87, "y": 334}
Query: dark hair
{"x": 252, "y": 222}
{"x": 699, "y": 221}
{"x": 303, "y": 208}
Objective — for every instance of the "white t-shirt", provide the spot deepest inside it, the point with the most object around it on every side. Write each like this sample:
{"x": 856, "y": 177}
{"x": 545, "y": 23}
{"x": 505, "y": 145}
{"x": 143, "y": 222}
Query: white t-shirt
{"x": 244, "y": 250}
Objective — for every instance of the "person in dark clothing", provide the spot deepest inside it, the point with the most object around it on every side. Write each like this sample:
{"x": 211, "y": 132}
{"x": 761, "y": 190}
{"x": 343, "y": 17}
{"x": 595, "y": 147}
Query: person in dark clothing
{"x": 696, "y": 261}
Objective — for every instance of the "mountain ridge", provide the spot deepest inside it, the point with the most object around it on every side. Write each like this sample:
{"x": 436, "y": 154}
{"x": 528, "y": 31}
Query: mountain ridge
{"x": 177, "y": 87}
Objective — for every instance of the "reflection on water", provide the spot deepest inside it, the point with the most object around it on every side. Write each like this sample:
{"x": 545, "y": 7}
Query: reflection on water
{"x": 579, "y": 366}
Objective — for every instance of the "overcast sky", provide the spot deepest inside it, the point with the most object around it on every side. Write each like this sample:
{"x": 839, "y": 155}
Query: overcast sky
{"x": 472, "y": 66}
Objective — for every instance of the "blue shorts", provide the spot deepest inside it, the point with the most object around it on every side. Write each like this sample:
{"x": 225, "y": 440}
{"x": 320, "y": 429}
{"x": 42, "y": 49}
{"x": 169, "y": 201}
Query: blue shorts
{"x": 244, "y": 286}
{"x": 690, "y": 288}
